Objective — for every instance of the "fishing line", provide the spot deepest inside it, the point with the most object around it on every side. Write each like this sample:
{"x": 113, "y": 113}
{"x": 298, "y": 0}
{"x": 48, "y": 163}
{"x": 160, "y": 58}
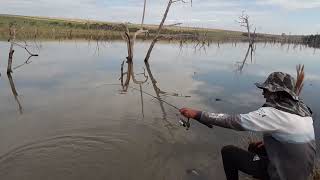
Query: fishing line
{"x": 184, "y": 123}
{"x": 175, "y": 107}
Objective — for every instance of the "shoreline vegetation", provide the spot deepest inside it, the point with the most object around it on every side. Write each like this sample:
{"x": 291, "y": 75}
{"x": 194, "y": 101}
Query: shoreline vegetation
{"x": 33, "y": 28}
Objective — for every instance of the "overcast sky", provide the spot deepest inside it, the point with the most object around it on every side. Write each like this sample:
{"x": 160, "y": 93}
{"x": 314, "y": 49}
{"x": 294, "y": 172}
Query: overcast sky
{"x": 268, "y": 16}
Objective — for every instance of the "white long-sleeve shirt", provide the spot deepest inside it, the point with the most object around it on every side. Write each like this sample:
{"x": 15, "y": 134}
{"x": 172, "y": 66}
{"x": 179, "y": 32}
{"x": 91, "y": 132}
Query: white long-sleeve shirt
{"x": 289, "y": 139}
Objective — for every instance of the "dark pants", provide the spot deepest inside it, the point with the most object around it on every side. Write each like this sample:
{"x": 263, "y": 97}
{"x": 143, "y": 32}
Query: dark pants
{"x": 236, "y": 159}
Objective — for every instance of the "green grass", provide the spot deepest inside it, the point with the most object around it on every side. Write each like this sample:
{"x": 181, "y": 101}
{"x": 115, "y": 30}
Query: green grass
{"x": 54, "y": 28}
{"x": 30, "y": 27}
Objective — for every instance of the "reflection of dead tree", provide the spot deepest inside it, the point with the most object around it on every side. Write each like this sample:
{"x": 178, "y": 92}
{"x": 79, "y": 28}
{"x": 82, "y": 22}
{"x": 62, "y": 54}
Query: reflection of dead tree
{"x": 12, "y": 33}
{"x": 130, "y": 72}
{"x": 141, "y": 99}
{"x": 14, "y": 92}
{"x": 130, "y": 40}
{"x": 25, "y": 63}
{"x": 140, "y": 86}
{"x": 130, "y": 47}
{"x": 241, "y": 64}
{"x": 128, "y": 75}
{"x": 157, "y": 36}
{"x": 156, "y": 90}
{"x": 201, "y": 42}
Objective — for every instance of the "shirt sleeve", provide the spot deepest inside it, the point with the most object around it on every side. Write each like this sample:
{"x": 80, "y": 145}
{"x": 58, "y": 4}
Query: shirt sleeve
{"x": 222, "y": 120}
{"x": 258, "y": 121}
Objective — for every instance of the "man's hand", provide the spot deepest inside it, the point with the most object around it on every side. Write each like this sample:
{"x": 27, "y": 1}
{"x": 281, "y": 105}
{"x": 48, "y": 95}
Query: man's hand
{"x": 257, "y": 148}
{"x": 190, "y": 113}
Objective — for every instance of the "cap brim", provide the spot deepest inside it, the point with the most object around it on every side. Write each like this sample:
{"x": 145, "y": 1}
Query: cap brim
{"x": 259, "y": 85}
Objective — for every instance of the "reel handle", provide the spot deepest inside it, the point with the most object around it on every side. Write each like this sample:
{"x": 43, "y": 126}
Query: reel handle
{"x": 185, "y": 123}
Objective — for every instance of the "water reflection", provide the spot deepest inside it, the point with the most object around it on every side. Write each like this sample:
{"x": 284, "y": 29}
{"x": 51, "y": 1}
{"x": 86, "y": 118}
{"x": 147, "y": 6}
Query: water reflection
{"x": 28, "y": 61}
{"x": 141, "y": 99}
{"x": 251, "y": 50}
{"x": 158, "y": 92}
{"x": 73, "y": 130}
{"x": 130, "y": 74}
{"x": 15, "y": 93}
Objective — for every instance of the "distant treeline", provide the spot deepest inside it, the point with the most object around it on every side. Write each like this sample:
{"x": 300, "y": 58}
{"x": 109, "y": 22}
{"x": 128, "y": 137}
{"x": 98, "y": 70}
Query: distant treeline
{"x": 312, "y": 40}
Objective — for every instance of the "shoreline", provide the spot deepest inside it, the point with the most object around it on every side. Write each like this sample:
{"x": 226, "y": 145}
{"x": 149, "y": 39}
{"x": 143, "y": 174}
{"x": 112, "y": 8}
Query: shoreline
{"x": 30, "y": 27}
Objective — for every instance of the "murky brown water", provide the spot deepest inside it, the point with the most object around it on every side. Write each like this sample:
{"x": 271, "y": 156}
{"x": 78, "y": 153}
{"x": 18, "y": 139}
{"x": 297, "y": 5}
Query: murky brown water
{"x": 70, "y": 119}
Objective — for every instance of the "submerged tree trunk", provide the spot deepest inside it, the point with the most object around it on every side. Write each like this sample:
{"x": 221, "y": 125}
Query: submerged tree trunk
{"x": 11, "y": 51}
{"x": 12, "y": 33}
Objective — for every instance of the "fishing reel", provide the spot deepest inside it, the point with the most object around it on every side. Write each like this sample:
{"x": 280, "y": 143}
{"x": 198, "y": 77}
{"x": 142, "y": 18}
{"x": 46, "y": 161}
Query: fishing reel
{"x": 185, "y": 123}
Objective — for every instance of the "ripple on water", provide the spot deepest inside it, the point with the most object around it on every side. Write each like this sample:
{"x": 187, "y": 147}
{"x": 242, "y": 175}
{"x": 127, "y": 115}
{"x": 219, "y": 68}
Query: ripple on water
{"x": 83, "y": 154}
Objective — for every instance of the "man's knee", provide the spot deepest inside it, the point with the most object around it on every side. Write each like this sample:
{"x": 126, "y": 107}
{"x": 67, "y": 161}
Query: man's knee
{"x": 227, "y": 150}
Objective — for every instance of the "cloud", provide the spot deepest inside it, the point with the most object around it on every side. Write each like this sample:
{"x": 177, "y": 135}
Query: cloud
{"x": 292, "y": 4}
{"x": 217, "y": 14}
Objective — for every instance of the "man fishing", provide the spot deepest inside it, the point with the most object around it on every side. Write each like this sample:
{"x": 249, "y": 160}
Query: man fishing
{"x": 288, "y": 148}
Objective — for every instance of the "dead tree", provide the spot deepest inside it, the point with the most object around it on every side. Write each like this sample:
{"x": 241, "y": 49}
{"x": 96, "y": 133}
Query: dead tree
{"x": 130, "y": 40}
{"x": 12, "y": 33}
{"x": 144, "y": 12}
{"x": 244, "y": 22}
{"x": 130, "y": 47}
{"x": 12, "y": 38}
{"x": 158, "y": 34}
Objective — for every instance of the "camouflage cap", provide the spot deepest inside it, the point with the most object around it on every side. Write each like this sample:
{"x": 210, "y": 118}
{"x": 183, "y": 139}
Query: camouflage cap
{"x": 279, "y": 81}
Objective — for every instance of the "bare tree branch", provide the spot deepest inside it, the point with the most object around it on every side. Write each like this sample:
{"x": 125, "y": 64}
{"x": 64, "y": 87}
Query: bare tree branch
{"x": 155, "y": 39}
{"x": 144, "y": 12}
{"x": 12, "y": 33}
{"x": 244, "y": 22}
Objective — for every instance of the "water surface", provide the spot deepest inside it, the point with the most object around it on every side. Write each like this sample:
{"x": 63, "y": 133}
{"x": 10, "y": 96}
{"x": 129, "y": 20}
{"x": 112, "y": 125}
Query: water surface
{"x": 69, "y": 118}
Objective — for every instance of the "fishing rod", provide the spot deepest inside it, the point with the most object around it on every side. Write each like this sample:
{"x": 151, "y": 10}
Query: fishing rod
{"x": 184, "y": 123}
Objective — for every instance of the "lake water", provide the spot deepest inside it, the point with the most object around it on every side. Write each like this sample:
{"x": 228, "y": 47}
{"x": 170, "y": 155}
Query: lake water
{"x": 74, "y": 122}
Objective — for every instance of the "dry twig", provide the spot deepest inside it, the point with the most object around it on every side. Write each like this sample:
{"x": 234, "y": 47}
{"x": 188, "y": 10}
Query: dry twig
{"x": 157, "y": 36}
{"x": 300, "y": 79}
